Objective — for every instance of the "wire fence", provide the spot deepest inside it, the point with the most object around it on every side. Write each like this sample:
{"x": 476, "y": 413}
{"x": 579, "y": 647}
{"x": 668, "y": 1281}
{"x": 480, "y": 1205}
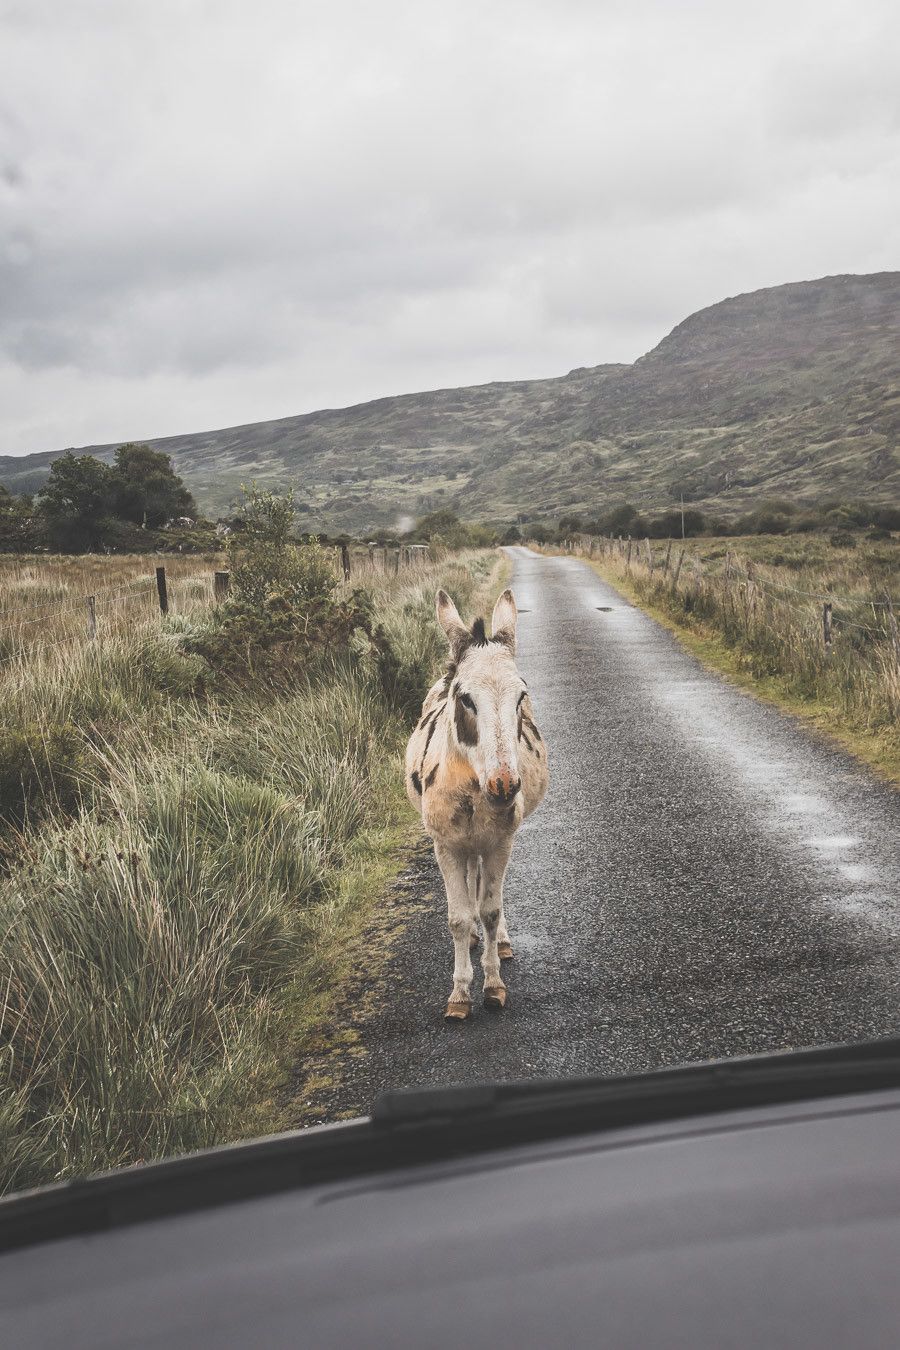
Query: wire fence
{"x": 94, "y": 613}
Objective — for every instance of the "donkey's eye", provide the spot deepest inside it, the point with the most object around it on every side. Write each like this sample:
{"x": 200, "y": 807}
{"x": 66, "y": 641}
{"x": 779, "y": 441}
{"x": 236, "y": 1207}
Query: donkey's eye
{"x": 467, "y": 702}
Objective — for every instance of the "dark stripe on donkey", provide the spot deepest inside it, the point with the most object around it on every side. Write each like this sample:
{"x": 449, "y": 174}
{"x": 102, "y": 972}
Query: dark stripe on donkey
{"x": 466, "y": 728}
{"x": 428, "y": 739}
{"x": 432, "y": 775}
{"x": 465, "y": 809}
{"x": 479, "y": 636}
{"x": 416, "y": 782}
{"x": 532, "y": 728}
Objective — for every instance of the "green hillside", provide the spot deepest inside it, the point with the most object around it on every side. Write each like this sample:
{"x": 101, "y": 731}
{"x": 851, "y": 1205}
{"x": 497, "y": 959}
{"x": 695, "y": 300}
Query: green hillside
{"x": 793, "y": 390}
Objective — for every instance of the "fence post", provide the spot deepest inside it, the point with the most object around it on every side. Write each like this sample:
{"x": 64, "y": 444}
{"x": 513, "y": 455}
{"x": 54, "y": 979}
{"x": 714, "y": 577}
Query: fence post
{"x": 677, "y": 570}
{"x": 668, "y": 554}
{"x": 221, "y": 583}
{"x": 892, "y": 624}
{"x": 372, "y": 556}
{"x": 396, "y": 562}
{"x": 345, "y": 561}
{"x": 649, "y": 557}
{"x": 826, "y": 626}
{"x": 628, "y": 555}
{"x": 162, "y": 589}
{"x": 91, "y": 617}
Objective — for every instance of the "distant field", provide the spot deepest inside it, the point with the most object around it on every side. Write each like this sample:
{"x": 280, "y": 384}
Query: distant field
{"x": 44, "y": 599}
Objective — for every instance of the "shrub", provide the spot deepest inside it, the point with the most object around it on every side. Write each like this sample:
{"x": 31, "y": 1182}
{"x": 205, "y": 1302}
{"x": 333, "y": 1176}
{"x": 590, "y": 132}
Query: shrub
{"x": 887, "y": 517}
{"x": 283, "y": 607}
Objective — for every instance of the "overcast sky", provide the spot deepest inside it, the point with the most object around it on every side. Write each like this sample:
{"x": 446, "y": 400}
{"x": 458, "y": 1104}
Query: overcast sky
{"x": 216, "y": 212}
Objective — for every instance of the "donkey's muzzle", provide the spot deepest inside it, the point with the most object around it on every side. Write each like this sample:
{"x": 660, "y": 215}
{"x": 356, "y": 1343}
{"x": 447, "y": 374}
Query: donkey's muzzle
{"x": 501, "y": 788}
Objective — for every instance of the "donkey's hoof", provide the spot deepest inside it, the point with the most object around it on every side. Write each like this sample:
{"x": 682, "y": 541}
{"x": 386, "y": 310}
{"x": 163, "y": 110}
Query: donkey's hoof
{"x": 505, "y": 951}
{"x": 495, "y": 999}
{"x": 458, "y": 1012}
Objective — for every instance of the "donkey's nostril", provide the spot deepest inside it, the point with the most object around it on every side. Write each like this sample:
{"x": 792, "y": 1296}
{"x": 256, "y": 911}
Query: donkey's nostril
{"x": 503, "y": 787}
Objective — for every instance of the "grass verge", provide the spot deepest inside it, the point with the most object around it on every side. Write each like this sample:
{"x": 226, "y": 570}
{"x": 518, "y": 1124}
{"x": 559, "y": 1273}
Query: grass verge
{"x": 877, "y": 746}
{"x": 182, "y": 864}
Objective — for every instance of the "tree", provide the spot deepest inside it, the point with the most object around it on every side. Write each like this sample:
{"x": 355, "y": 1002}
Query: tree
{"x": 17, "y": 528}
{"x": 442, "y": 527}
{"x": 76, "y": 503}
{"x": 146, "y": 489}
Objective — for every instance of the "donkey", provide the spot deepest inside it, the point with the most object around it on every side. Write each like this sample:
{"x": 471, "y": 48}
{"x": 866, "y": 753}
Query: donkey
{"x": 476, "y": 766}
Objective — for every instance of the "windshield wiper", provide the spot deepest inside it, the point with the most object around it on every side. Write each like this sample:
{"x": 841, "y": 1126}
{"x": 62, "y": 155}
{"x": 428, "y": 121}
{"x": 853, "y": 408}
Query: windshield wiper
{"x": 789, "y": 1075}
{"x": 430, "y": 1124}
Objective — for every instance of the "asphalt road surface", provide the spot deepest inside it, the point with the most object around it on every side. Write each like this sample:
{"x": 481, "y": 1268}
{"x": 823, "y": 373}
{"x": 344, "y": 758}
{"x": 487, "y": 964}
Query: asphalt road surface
{"x": 705, "y": 877}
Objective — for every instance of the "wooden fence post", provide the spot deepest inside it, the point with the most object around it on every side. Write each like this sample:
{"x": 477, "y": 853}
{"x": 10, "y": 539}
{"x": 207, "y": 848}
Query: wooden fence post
{"x": 649, "y": 558}
{"x": 396, "y": 562}
{"x": 221, "y": 583}
{"x": 668, "y": 554}
{"x": 162, "y": 590}
{"x": 892, "y": 625}
{"x": 628, "y": 555}
{"x": 345, "y": 561}
{"x": 826, "y": 626}
{"x": 91, "y": 617}
{"x": 677, "y": 570}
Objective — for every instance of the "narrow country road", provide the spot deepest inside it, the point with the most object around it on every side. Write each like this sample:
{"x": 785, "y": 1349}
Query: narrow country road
{"x": 704, "y": 878}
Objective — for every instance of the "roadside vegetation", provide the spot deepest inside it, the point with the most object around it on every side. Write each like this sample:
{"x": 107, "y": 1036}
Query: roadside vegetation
{"x": 182, "y": 802}
{"x": 755, "y": 607}
{"x": 842, "y": 522}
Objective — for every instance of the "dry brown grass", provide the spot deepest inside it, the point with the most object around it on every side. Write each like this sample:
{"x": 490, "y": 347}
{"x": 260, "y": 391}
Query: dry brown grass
{"x": 43, "y": 599}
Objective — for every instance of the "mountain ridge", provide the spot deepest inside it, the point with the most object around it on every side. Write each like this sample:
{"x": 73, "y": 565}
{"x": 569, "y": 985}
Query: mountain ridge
{"x": 789, "y": 390}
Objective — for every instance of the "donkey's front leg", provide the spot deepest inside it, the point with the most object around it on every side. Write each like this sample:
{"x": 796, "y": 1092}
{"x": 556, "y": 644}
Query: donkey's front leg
{"x": 461, "y": 916}
{"x": 490, "y": 903}
{"x": 504, "y": 946}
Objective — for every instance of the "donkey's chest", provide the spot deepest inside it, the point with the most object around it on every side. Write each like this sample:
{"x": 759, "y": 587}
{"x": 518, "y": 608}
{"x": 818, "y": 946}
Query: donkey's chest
{"x": 462, "y": 817}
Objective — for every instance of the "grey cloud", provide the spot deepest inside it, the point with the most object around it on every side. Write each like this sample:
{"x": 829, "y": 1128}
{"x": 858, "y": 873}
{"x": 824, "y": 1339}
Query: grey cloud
{"x": 309, "y": 203}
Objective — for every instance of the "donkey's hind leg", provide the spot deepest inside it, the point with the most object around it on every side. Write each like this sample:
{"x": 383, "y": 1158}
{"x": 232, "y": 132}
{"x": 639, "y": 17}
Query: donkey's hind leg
{"x": 461, "y": 917}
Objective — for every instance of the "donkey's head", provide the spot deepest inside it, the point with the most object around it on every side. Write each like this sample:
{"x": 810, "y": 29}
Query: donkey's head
{"x": 485, "y": 693}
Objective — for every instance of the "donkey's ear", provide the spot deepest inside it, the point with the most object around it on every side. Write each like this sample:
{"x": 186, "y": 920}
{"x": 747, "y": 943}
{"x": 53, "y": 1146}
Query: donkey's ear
{"x": 503, "y": 620}
{"x": 448, "y": 618}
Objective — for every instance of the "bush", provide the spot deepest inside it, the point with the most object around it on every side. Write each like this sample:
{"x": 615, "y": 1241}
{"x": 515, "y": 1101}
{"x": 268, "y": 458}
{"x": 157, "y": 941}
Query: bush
{"x": 283, "y": 607}
{"x": 887, "y": 517}
{"x": 842, "y": 539}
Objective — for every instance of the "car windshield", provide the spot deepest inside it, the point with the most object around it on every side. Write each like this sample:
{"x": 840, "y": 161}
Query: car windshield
{"x": 449, "y": 541}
